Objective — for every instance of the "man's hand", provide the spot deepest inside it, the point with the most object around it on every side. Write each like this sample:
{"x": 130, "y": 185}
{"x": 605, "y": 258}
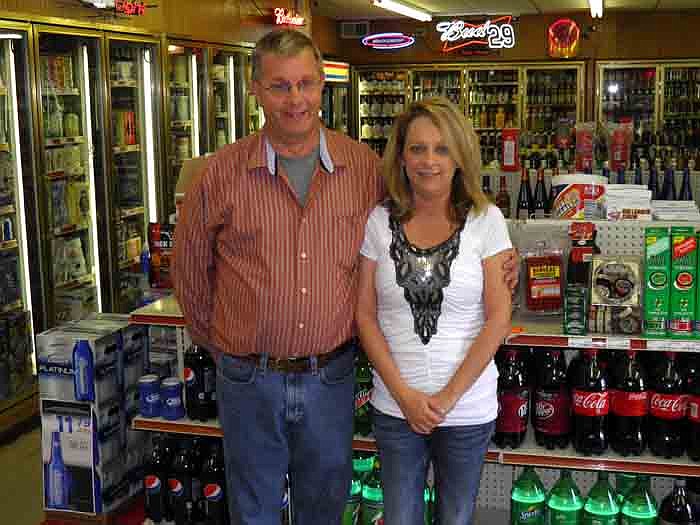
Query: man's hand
{"x": 421, "y": 416}
{"x": 511, "y": 269}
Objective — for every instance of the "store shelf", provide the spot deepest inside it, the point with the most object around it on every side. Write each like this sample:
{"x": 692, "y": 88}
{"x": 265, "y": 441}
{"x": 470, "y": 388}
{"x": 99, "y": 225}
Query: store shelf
{"x": 382, "y": 93}
{"x": 7, "y": 210}
{"x": 64, "y": 141}
{"x": 68, "y": 229}
{"x": 4, "y": 147}
{"x": 222, "y": 115}
{"x": 51, "y": 92}
{"x": 125, "y": 213}
{"x": 12, "y": 307}
{"x": 510, "y": 103}
{"x": 530, "y": 454}
{"x": 181, "y": 124}
{"x": 682, "y": 116}
{"x": 124, "y": 84}
{"x": 131, "y": 148}
{"x": 573, "y": 106}
{"x": 547, "y": 331}
{"x": 181, "y": 426}
{"x": 75, "y": 283}
{"x": 6, "y": 246}
{"x": 477, "y": 84}
{"x": 163, "y": 312}
{"x": 179, "y": 85}
{"x": 62, "y": 174}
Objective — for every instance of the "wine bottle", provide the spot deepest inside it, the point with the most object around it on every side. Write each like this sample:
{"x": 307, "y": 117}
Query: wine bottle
{"x": 503, "y": 198}
{"x": 525, "y": 208}
{"x": 686, "y": 193}
{"x": 540, "y": 204}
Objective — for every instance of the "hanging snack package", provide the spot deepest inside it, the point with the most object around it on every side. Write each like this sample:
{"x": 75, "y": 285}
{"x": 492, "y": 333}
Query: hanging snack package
{"x": 161, "y": 239}
{"x": 620, "y": 145}
{"x": 657, "y": 280}
{"x": 684, "y": 260}
{"x": 585, "y": 142}
{"x": 543, "y": 281}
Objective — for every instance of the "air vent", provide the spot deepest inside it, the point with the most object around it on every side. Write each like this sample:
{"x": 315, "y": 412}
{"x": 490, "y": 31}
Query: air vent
{"x": 353, "y": 29}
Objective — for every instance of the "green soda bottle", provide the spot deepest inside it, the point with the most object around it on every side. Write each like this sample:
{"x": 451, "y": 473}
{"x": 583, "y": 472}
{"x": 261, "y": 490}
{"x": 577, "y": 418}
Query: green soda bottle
{"x": 527, "y": 499}
{"x": 639, "y": 507}
{"x": 362, "y": 463}
{"x": 351, "y": 514}
{"x": 363, "y": 393}
{"x": 373, "y": 498}
{"x": 601, "y": 507}
{"x": 564, "y": 502}
{"x": 624, "y": 483}
{"x": 429, "y": 508}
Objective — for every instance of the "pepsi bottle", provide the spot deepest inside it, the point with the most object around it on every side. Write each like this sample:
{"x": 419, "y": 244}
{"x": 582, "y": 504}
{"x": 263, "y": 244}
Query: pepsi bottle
{"x": 591, "y": 405}
{"x": 513, "y": 401}
{"x": 552, "y": 400}
{"x": 183, "y": 482}
{"x": 155, "y": 480}
{"x": 667, "y": 410}
{"x": 200, "y": 384}
{"x": 214, "y": 509}
{"x": 629, "y": 405}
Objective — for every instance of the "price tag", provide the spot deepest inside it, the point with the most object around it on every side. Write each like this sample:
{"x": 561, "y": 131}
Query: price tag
{"x": 620, "y": 343}
{"x": 657, "y": 344}
{"x": 580, "y": 342}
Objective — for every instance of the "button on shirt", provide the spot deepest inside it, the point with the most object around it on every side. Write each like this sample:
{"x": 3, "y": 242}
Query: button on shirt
{"x": 254, "y": 270}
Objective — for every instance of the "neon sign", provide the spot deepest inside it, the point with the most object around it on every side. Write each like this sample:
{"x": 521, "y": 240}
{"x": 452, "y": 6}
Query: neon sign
{"x": 388, "y": 41}
{"x": 563, "y": 38}
{"x": 284, "y": 17}
{"x": 494, "y": 34}
{"x": 122, "y": 7}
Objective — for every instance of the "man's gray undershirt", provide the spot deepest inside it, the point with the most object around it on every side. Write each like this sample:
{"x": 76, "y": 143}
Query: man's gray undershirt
{"x": 300, "y": 170}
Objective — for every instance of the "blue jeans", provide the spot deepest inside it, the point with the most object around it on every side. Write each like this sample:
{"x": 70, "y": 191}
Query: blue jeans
{"x": 276, "y": 423}
{"x": 457, "y": 454}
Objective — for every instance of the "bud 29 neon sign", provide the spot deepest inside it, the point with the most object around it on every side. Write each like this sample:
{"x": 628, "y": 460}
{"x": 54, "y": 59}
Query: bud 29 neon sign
{"x": 496, "y": 34}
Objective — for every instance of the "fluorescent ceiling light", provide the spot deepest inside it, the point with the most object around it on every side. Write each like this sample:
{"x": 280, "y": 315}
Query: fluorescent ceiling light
{"x": 402, "y": 9}
{"x": 596, "y": 8}
{"x": 10, "y": 36}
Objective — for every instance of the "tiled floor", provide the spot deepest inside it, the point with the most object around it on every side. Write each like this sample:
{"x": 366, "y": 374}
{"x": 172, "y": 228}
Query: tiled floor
{"x": 20, "y": 480}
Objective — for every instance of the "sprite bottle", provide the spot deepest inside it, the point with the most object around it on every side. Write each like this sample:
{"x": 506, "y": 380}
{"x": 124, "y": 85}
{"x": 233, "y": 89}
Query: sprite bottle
{"x": 351, "y": 514}
{"x": 639, "y": 507}
{"x": 564, "y": 502}
{"x": 527, "y": 499}
{"x": 601, "y": 507}
{"x": 624, "y": 483}
{"x": 373, "y": 498}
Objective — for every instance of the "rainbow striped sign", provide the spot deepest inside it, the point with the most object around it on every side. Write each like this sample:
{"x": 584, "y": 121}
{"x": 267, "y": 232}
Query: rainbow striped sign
{"x": 336, "y": 71}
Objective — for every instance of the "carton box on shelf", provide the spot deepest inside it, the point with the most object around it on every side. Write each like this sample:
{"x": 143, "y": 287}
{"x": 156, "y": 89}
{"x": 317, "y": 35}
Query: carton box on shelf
{"x": 657, "y": 279}
{"x": 684, "y": 260}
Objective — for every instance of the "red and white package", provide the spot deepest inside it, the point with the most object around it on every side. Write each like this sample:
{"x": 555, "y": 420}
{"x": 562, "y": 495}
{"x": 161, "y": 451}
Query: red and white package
{"x": 620, "y": 145}
{"x": 585, "y": 142}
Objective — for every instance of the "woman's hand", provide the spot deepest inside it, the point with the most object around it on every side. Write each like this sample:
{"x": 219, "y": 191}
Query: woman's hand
{"x": 442, "y": 402}
{"x": 511, "y": 268}
{"x": 419, "y": 411}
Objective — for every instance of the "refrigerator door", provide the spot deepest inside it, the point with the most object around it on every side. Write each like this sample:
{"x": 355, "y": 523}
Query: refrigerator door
{"x": 627, "y": 93}
{"x": 493, "y": 103}
{"x": 72, "y": 140}
{"x": 552, "y": 104}
{"x": 254, "y": 114}
{"x": 19, "y": 299}
{"x": 441, "y": 83}
{"x": 680, "y": 113}
{"x": 334, "y": 108}
{"x": 134, "y": 95}
{"x": 187, "y": 114}
{"x": 225, "y": 102}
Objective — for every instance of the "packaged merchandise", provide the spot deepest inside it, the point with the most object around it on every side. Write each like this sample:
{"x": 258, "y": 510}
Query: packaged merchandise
{"x": 684, "y": 257}
{"x": 161, "y": 239}
{"x": 623, "y": 320}
{"x": 10, "y": 286}
{"x": 616, "y": 280}
{"x": 78, "y": 203}
{"x": 585, "y": 141}
{"x": 60, "y": 215}
{"x": 620, "y": 136}
{"x": 578, "y": 196}
{"x": 576, "y": 309}
{"x": 544, "y": 276}
{"x": 657, "y": 279}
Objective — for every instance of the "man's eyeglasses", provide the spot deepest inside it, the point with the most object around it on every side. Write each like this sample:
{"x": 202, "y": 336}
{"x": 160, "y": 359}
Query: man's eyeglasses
{"x": 282, "y": 89}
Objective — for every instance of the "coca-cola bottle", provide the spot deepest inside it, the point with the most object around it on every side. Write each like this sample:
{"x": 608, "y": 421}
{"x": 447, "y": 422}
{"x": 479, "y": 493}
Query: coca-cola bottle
{"x": 552, "y": 413}
{"x": 629, "y": 405}
{"x": 692, "y": 382}
{"x": 513, "y": 400}
{"x": 667, "y": 409}
{"x": 591, "y": 405}
{"x": 676, "y": 508}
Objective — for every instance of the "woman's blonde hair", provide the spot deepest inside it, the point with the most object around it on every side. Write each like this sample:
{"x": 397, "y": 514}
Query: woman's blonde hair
{"x": 461, "y": 141}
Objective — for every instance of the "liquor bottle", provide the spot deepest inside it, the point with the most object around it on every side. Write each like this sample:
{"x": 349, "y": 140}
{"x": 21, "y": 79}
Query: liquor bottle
{"x": 606, "y": 173}
{"x": 564, "y": 502}
{"x": 653, "y": 184}
{"x": 639, "y": 507}
{"x": 486, "y": 188}
{"x": 638, "y": 174}
{"x": 668, "y": 191}
{"x": 373, "y": 498}
{"x": 686, "y": 193}
{"x": 503, "y": 198}
{"x": 601, "y": 506}
{"x": 525, "y": 206}
{"x": 621, "y": 175}
{"x": 527, "y": 499}
{"x": 540, "y": 205}
{"x": 675, "y": 508}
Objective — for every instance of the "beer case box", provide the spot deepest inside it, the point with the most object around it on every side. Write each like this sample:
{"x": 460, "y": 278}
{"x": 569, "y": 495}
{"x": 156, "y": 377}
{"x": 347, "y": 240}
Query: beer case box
{"x": 78, "y": 365}
{"x": 684, "y": 260}
{"x": 657, "y": 280}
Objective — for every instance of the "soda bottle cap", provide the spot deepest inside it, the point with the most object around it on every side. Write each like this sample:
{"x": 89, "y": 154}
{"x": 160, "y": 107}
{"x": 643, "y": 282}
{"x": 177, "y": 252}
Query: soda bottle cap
{"x": 631, "y": 353}
{"x": 671, "y": 355}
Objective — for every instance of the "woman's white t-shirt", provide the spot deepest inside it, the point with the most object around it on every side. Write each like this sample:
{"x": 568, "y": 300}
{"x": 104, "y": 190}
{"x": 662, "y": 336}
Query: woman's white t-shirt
{"x": 429, "y": 367}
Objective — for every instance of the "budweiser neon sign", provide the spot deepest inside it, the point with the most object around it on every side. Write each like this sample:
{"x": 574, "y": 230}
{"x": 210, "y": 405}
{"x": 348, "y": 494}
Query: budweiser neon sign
{"x": 122, "y": 7}
{"x": 494, "y": 34}
{"x": 388, "y": 41}
{"x": 283, "y": 17}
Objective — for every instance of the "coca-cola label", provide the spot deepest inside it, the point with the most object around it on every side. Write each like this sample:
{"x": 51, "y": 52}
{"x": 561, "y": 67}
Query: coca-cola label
{"x": 591, "y": 403}
{"x": 668, "y": 406}
{"x": 552, "y": 412}
{"x": 694, "y": 409}
{"x": 629, "y": 404}
{"x": 512, "y": 410}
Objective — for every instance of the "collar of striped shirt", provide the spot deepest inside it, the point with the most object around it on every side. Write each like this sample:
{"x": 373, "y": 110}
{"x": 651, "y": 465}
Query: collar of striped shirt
{"x": 266, "y": 156}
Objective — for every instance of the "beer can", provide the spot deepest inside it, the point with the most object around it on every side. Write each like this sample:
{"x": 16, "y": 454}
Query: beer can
{"x": 171, "y": 399}
{"x": 149, "y": 395}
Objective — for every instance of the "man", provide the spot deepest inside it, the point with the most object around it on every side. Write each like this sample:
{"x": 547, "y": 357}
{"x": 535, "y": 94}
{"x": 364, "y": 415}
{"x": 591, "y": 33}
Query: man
{"x": 266, "y": 274}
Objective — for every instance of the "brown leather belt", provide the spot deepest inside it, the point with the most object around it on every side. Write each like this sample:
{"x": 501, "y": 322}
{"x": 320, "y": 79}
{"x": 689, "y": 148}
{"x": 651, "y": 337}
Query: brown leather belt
{"x": 299, "y": 364}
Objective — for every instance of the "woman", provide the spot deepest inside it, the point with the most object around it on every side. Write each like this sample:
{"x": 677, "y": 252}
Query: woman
{"x": 433, "y": 308}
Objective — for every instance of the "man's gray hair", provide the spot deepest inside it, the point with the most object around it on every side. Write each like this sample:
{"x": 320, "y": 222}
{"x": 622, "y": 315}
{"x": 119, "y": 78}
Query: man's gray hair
{"x": 285, "y": 43}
